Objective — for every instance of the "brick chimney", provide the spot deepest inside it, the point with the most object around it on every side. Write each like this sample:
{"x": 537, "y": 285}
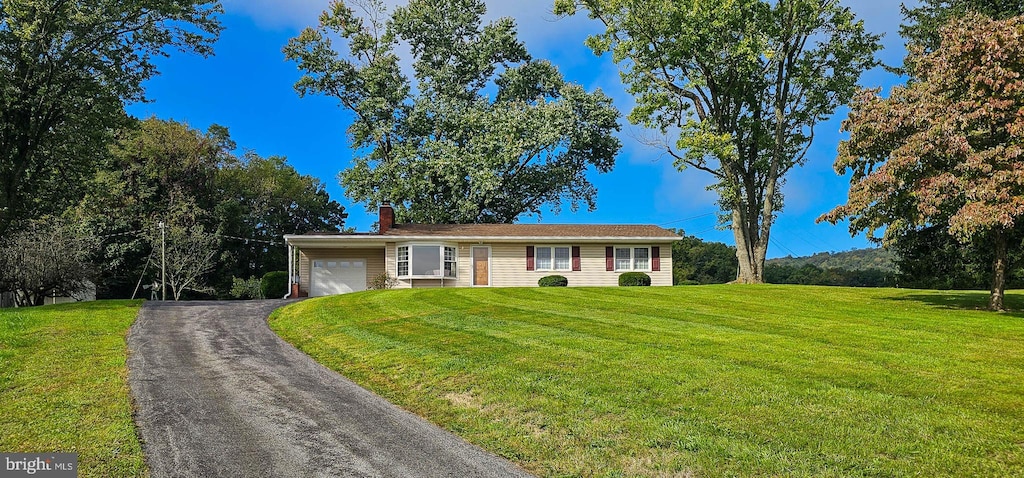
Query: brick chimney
{"x": 387, "y": 218}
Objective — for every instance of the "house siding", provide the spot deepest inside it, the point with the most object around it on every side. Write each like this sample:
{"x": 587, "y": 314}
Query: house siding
{"x": 374, "y": 262}
{"x": 508, "y": 266}
{"x": 508, "y": 262}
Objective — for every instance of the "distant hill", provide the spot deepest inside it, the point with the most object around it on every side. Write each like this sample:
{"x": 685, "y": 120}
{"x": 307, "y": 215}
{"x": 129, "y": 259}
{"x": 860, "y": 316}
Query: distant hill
{"x": 857, "y": 259}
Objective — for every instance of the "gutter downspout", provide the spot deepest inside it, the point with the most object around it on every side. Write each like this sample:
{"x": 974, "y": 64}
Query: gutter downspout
{"x": 291, "y": 263}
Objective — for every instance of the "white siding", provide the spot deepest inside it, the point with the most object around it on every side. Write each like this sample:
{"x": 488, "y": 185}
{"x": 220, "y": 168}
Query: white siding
{"x": 508, "y": 267}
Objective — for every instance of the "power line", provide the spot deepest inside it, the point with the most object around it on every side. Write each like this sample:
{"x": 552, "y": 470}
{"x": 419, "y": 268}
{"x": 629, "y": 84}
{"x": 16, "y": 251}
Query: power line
{"x": 777, "y": 243}
{"x": 689, "y": 218}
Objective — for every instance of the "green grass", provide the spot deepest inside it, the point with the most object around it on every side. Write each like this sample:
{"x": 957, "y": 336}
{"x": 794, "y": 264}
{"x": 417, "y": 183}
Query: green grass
{"x": 693, "y": 381}
{"x": 63, "y": 385}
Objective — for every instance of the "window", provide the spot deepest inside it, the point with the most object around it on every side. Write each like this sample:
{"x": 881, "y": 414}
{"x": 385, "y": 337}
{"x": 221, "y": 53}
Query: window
{"x": 403, "y": 261}
{"x": 543, "y": 258}
{"x": 426, "y": 260}
{"x": 562, "y": 262}
{"x": 632, "y": 258}
{"x": 622, "y": 259}
{"x": 449, "y": 261}
{"x": 553, "y": 258}
{"x": 641, "y": 256}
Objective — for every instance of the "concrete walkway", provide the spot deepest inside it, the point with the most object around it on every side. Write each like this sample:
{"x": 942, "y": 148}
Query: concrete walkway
{"x": 219, "y": 394}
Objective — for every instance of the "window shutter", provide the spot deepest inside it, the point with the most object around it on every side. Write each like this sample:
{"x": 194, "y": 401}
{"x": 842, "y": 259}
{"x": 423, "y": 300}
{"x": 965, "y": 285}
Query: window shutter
{"x": 529, "y": 259}
{"x": 609, "y": 258}
{"x": 576, "y": 266}
{"x": 655, "y": 258}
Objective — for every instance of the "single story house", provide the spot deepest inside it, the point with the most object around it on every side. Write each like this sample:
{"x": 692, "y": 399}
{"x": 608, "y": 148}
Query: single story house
{"x": 476, "y": 255}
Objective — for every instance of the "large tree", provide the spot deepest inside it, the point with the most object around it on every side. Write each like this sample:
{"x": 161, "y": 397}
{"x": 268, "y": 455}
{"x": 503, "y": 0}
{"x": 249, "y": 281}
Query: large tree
{"x": 159, "y": 170}
{"x": 924, "y": 20}
{"x": 485, "y": 133}
{"x": 947, "y": 148}
{"x": 740, "y": 86}
{"x": 66, "y": 69}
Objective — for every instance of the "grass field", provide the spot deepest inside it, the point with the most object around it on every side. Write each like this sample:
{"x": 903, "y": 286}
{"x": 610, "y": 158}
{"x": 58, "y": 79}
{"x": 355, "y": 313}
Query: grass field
{"x": 63, "y": 385}
{"x": 693, "y": 381}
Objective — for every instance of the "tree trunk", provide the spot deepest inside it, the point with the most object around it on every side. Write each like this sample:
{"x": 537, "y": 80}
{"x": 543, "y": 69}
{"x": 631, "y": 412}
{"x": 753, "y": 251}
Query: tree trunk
{"x": 995, "y": 301}
{"x": 750, "y": 249}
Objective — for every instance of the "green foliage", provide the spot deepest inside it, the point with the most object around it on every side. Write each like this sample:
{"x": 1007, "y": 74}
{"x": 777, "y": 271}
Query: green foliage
{"x": 161, "y": 170}
{"x": 274, "y": 284}
{"x": 856, "y": 259}
{"x": 484, "y": 133}
{"x": 66, "y": 70}
{"x": 931, "y": 258}
{"x": 553, "y": 281}
{"x": 698, "y": 262}
{"x": 383, "y": 281}
{"x": 634, "y": 279}
{"x": 922, "y": 22}
{"x": 250, "y": 288}
{"x": 740, "y": 86}
{"x": 64, "y": 385}
{"x": 810, "y": 274}
{"x": 719, "y": 380}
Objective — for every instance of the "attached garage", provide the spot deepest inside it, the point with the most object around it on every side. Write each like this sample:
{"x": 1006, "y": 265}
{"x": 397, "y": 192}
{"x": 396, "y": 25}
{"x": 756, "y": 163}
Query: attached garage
{"x": 337, "y": 276}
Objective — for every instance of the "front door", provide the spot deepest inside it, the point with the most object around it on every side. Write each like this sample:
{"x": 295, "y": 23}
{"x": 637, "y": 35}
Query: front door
{"x": 481, "y": 266}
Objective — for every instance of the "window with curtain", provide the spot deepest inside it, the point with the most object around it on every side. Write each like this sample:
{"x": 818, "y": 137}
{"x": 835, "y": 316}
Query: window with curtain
{"x": 641, "y": 258}
{"x": 623, "y": 259}
{"x": 553, "y": 258}
{"x": 543, "y": 257}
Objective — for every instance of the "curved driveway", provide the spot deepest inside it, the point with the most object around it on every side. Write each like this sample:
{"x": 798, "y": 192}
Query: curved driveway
{"x": 219, "y": 394}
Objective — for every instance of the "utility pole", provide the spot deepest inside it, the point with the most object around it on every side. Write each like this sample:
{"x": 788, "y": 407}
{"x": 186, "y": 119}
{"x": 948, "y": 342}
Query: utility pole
{"x": 163, "y": 262}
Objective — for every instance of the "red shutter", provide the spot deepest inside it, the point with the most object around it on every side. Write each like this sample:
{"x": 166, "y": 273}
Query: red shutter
{"x": 529, "y": 258}
{"x": 655, "y": 258}
{"x": 576, "y": 266}
{"x": 609, "y": 258}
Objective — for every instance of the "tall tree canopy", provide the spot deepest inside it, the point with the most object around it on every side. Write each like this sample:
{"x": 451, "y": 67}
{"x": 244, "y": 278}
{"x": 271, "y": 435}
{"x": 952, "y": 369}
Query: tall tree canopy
{"x": 191, "y": 180}
{"x": 66, "y": 69}
{"x": 740, "y": 84}
{"x": 486, "y": 133}
{"x": 947, "y": 148}
{"x": 924, "y": 21}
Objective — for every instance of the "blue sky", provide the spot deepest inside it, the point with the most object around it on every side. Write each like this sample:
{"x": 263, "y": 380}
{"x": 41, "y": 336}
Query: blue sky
{"x": 247, "y": 87}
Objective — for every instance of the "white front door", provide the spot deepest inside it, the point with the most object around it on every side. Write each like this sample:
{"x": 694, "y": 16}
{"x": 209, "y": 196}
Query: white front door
{"x": 337, "y": 276}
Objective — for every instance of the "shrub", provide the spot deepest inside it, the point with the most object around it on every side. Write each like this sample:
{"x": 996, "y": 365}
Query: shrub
{"x": 553, "y": 281}
{"x": 251, "y": 288}
{"x": 633, "y": 279}
{"x": 688, "y": 282}
{"x": 275, "y": 284}
{"x": 383, "y": 281}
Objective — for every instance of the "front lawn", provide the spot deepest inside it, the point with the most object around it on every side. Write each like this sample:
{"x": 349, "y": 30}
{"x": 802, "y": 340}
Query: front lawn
{"x": 63, "y": 385}
{"x": 693, "y": 381}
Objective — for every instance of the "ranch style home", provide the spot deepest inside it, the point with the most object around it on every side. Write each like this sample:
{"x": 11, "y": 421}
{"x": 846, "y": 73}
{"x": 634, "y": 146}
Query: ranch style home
{"x": 476, "y": 255}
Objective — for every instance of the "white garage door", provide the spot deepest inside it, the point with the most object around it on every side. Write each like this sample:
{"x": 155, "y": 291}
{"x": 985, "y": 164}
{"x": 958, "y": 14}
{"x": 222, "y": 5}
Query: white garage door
{"x": 337, "y": 276}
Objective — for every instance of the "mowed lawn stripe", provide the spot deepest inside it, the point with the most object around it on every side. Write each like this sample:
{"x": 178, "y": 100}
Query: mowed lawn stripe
{"x": 63, "y": 385}
{"x": 717, "y": 380}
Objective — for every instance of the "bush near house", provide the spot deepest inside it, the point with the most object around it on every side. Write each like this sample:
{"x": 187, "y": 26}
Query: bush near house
{"x": 553, "y": 281}
{"x": 634, "y": 279}
{"x": 274, "y": 284}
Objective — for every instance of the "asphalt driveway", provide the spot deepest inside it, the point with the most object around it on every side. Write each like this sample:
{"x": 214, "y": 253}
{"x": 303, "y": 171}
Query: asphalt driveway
{"x": 219, "y": 394}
